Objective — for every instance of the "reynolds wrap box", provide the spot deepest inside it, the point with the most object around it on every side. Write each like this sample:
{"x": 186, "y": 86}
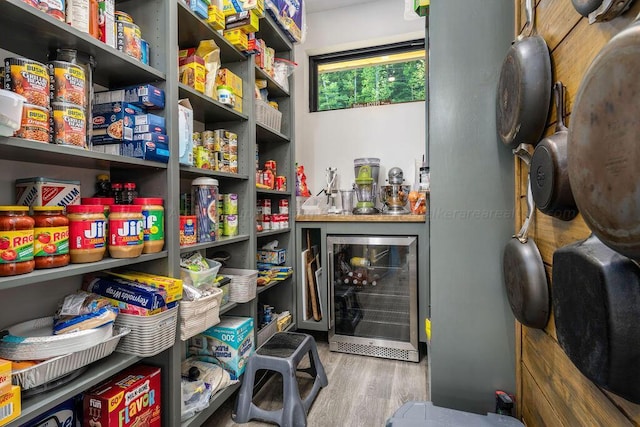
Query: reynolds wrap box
{"x": 126, "y": 291}
{"x": 130, "y": 398}
{"x": 229, "y": 344}
{"x": 173, "y": 287}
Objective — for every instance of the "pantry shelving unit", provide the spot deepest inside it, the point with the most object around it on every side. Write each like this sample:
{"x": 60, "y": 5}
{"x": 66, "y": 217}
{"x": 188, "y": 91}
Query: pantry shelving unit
{"x": 165, "y": 24}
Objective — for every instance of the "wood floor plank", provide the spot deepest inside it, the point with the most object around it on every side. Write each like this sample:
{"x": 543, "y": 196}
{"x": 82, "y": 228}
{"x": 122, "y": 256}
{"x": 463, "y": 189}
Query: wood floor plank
{"x": 362, "y": 391}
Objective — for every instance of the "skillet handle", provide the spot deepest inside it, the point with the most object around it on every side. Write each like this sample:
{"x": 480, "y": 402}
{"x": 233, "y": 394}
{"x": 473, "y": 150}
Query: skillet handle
{"x": 559, "y": 93}
{"x": 529, "y": 26}
{"x": 522, "y": 234}
{"x": 523, "y": 152}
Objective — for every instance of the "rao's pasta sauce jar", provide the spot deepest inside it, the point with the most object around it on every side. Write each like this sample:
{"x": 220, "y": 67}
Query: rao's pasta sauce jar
{"x": 51, "y": 237}
{"x": 126, "y": 231}
{"x": 16, "y": 241}
{"x": 86, "y": 233}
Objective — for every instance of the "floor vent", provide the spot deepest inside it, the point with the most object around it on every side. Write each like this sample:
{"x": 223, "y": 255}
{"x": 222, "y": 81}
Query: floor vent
{"x": 371, "y": 350}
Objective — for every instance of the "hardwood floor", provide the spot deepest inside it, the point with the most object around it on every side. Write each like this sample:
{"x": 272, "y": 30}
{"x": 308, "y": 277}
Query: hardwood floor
{"x": 362, "y": 391}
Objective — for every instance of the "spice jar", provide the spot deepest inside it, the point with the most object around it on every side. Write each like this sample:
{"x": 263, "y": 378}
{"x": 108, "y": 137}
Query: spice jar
{"x": 126, "y": 235}
{"x": 153, "y": 213}
{"x": 86, "y": 233}
{"x": 16, "y": 241}
{"x": 51, "y": 237}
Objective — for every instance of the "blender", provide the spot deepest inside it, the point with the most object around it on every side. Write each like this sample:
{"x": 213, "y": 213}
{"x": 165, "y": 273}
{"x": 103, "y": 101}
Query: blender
{"x": 364, "y": 187}
{"x": 395, "y": 194}
{"x": 374, "y": 166}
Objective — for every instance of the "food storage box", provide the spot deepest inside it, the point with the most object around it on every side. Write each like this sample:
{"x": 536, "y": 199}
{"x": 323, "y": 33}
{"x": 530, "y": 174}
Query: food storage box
{"x": 113, "y": 122}
{"x": 10, "y": 405}
{"x": 243, "y": 284}
{"x": 130, "y": 398}
{"x": 226, "y": 78}
{"x": 230, "y": 343}
{"x": 201, "y": 278}
{"x": 277, "y": 257}
{"x": 39, "y": 191}
{"x": 197, "y": 316}
{"x": 5, "y": 376}
{"x": 150, "y": 122}
{"x": 152, "y": 149}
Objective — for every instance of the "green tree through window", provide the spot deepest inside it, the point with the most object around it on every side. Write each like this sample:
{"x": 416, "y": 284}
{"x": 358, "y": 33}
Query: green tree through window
{"x": 355, "y": 79}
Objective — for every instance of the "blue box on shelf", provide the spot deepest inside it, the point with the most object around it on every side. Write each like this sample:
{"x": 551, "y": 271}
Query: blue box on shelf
{"x": 200, "y": 8}
{"x": 277, "y": 256}
{"x": 113, "y": 123}
{"x": 148, "y": 150}
{"x": 145, "y": 96}
{"x": 145, "y": 123}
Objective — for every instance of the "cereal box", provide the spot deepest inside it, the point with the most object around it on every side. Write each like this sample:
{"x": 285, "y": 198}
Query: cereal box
{"x": 229, "y": 343}
{"x": 131, "y": 398}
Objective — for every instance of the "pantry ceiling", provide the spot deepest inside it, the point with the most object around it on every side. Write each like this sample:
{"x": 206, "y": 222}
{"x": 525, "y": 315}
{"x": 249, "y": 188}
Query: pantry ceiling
{"x": 322, "y": 5}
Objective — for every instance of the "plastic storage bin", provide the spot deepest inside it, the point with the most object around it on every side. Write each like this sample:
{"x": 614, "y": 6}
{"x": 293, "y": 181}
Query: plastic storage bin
{"x": 243, "y": 284}
{"x": 267, "y": 331}
{"x": 268, "y": 116}
{"x": 197, "y": 316}
{"x": 200, "y": 278}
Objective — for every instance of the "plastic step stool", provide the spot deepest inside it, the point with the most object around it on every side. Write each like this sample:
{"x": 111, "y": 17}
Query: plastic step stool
{"x": 419, "y": 414}
{"x": 282, "y": 353}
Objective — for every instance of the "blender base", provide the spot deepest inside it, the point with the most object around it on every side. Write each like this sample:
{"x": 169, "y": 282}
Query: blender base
{"x": 365, "y": 211}
{"x": 396, "y": 211}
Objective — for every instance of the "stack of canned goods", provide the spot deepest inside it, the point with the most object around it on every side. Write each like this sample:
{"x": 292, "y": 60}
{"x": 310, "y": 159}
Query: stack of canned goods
{"x": 129, "y": 38}
{"x": 216, "y": 150}
{"x": 228, "y": 208}
{"x": 268, "y": 218}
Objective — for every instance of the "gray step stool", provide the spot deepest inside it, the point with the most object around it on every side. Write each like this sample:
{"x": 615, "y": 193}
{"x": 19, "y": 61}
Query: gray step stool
{"x": 282, "y": 353}
{"x": 423, "y": 414}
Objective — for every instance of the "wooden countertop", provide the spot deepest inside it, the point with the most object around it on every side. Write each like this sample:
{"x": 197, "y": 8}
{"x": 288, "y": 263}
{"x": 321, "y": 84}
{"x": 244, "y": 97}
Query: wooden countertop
{"x": 360, "y": 218}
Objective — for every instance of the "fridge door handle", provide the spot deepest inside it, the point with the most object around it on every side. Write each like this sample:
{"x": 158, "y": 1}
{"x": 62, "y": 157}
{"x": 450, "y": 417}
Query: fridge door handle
{"x": 330, "y": 292}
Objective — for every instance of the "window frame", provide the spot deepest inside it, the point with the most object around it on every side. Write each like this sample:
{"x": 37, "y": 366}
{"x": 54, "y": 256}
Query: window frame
{"x": 316, "y": 60}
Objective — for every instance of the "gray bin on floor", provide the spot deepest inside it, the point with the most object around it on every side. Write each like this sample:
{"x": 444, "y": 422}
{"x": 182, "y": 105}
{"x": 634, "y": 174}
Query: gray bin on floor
{"x": 418, "y": 414}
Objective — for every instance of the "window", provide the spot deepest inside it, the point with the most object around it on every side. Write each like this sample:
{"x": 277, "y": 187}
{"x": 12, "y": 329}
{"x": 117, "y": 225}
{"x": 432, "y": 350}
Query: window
{"x": 372, "y": 76}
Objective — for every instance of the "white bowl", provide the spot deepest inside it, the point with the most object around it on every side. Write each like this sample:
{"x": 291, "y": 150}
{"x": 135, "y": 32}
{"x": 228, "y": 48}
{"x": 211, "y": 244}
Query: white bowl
{"x": 10, "y": 112}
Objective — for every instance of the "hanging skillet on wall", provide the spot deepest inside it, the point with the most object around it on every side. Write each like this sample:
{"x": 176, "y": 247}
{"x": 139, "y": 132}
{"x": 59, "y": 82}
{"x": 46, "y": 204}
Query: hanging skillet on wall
{"x": 548, "y": 173}
{"x": 603, "y": 149}
{"x": 601, "y": 10}
{"x": 524, "y": 88}
{"x": 524, "y": 276}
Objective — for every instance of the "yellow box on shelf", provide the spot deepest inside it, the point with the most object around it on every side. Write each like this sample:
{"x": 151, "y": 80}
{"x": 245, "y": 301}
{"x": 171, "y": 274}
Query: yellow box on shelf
{"x": 227, "y": 78}
{"x": 229, "y": 7}
{"x": 10, "y": 408}
{"x": 216, "y": 18}
{"x": 247, "y": 21}
{"x": 238, "y": 38}
{"x": 5, "y": 376}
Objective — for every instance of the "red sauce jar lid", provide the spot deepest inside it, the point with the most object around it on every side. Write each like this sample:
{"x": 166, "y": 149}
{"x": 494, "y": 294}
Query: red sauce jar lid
{"x": 85, "y": 209}
{"x": 130, "y": 185}
{"x": 126, "y": 209}
{"x": 98, "y": 201}
{"x": 148, "y": 201}
{"x": 116, "y": 185}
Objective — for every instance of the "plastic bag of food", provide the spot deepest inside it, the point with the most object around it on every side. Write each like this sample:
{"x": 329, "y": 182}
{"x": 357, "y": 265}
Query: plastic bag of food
{"x": 210, "y": 52}
{"x": 195, "y": 398}
{"x": 283, "y": 68}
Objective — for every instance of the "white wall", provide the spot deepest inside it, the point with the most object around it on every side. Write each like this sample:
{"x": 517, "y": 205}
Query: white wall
{"x": 394, "y": 133}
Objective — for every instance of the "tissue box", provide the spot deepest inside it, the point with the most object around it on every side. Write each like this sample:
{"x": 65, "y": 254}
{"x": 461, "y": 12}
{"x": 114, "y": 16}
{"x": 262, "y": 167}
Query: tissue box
{"x": 277, "y": 257}
{"x": 185, "y": 131}
{"x": 229, "y": 343}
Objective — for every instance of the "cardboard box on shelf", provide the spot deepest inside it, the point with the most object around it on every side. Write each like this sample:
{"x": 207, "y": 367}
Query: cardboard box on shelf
{"x": 276, "y": 257}
{"x": 192, "y": 72}
{"x": 5, "y": 376}
{"x": 227, "y": 78}
{"x": 246, "y": 21}
{"x": 39, "y": 191}
{"x": 200, "y": 8}
{"x": 237, "y": 106}
{"x": 152, "y": 149}
{"x": 234, "y": 6}
{"x": 229, "y": 343}
{"x": 237, "y": 38}
{"x": 113, "y": 122}
{"x": 185, "y": 131}
{"x": 10, "y": 408}
{"x": 132, "y": 397}
{"x": 107, "y": 23}
{"x": 216, "y": 18}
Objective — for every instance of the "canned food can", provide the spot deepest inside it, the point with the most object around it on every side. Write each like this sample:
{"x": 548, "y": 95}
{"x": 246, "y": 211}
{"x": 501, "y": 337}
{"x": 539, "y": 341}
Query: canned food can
{"x": 29, "y": 79}
{"x": 67, "y": 83}
{"x": 128, "y": 39}
{"x": 34, "y": 124}
{"x": 208, "y": 140}
{"x": 230, "y": 225}
{"x": 123, "y": 16}
{"x": 53, "y": 8}
{"x": 270, "y": 164}
{"x": 266, "y": 222}
{"x": 230, "y": 204}
{"x": 188, "y": 230}
{"x": 281, "y": 183}
{"x": 265, "y": 206}
{"x": 78, "y": 14}
{"x": 197, "y": 139}
{"x": 69, "y": 125}
{"x": 201, "y": 158}
{"x": 283, "y": 206}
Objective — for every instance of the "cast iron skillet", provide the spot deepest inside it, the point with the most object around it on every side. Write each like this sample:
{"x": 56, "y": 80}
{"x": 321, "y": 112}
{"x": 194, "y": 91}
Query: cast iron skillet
{"x": 524, "y": 276}
{"x": 603, "y": 149}
{"x": 596, "y": 306}
{"x": 548, "y": 173}
{"x": 524, "y": 88}
{"x": 601, "y": 10}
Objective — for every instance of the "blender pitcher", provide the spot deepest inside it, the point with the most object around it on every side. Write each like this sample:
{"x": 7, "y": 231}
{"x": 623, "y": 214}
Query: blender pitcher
{"x": 365, "y": 192}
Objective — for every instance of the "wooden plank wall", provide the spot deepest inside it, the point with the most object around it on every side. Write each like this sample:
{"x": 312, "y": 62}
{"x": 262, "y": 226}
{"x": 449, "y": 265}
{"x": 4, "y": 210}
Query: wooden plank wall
{"x": 550, "y": 389}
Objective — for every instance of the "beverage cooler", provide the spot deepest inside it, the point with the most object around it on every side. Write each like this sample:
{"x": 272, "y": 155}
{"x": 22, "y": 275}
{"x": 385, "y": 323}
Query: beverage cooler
{"x": 373, "y": 298}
